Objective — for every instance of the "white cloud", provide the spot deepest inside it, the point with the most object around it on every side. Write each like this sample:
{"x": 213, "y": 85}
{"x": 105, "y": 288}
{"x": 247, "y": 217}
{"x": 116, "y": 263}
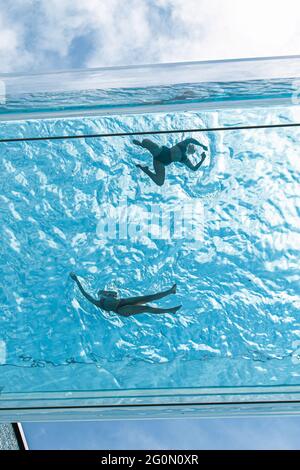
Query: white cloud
{"x": 10, "y": 47}
{"x": 133, "y": 32}
{"x": 49, "y": 34}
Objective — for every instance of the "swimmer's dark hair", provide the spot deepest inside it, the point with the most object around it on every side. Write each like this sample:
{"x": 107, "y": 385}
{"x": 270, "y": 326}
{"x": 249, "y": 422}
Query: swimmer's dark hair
{"x": 107, "y": 293}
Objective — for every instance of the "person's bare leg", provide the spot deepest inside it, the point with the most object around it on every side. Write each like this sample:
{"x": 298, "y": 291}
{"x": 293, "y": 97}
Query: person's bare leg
{"x": 192, "y": 167}
{"x": 143, "y": 299}
{"x": 129, "y": 310}
{"x": 160, "y": 173}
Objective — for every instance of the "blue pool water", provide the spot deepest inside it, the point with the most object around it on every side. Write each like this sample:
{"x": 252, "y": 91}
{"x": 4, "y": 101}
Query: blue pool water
{"x": 135, "y": 97}
{"x": 237, "y": 268}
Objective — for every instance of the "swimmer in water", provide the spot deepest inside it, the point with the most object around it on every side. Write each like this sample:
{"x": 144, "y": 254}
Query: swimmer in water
{"x": 164, "y": 156}
{"x": 108, "y": 301}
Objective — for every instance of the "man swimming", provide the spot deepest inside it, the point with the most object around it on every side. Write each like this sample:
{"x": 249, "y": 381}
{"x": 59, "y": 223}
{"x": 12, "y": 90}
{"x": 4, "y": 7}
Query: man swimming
{"x": 164, "y": 156}
{"x": 108, "y": 301}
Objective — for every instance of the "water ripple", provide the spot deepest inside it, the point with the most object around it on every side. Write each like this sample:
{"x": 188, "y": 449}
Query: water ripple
{"x": 239, "y": 286}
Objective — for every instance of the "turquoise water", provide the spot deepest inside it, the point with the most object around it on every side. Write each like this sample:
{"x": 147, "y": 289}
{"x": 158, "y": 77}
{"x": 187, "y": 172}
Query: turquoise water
{"x": 237, "y": 268}
{"x": 187, "y": 93}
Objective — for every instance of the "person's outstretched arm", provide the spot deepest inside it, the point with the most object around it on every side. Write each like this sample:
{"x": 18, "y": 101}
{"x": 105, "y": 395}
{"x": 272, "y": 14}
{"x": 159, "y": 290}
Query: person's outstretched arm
{"x": 190, "y": 140}
{"x": 86, "y": 295}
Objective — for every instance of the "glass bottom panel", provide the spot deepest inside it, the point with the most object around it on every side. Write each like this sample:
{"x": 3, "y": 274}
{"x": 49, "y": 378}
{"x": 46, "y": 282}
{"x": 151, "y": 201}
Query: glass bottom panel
{"x": 226, "y": 232}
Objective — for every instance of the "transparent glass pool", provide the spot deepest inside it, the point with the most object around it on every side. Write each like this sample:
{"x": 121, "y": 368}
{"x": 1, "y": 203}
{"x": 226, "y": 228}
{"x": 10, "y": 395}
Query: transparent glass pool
{"x": 81, "y": 204}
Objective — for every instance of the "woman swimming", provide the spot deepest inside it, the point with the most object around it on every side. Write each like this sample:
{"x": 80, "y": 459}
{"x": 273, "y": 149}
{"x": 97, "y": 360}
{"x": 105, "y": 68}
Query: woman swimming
{"x": 108, "y": 301}
{"x": 164, "y": 156}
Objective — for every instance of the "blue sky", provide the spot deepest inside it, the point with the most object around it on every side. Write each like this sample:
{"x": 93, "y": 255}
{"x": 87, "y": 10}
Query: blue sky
{"x": 58, "y": 34}
{"x": 241, "y": 433}
{"x": 40, "y": 35}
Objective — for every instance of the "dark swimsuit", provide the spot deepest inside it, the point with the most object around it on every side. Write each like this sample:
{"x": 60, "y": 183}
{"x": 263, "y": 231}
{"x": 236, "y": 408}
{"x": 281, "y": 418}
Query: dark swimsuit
{"x": 112, "y": 305}
{"x": 165, "y": 156}
{"x": 109, "y": 304}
